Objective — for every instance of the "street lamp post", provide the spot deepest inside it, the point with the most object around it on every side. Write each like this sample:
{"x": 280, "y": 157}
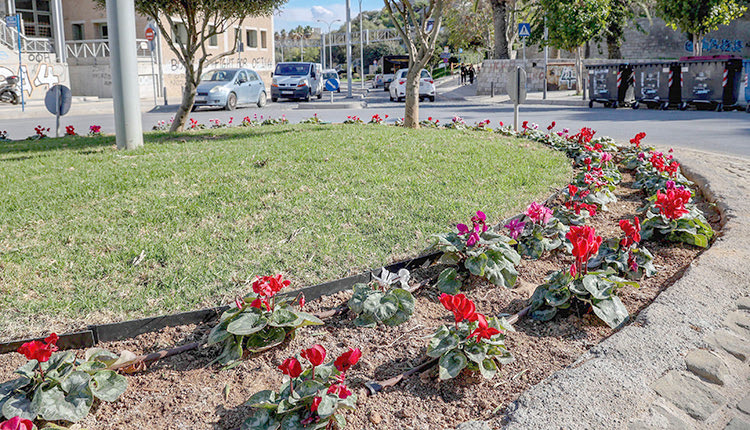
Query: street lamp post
{"x": 348, "y": 49}
{"x": 330, "y": 42}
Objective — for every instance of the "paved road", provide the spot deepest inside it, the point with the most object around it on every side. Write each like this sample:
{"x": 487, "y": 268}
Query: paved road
{"x": 723, "y": 132}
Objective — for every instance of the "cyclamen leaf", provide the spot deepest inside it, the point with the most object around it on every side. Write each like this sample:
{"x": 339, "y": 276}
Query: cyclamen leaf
{"x": 77, "y": 382}
{"x": 260, "y": 420}
{"x": 262, "y": 399}
{"x": 611, "y": 311}
{"x": 219, "y": 333}
{"x": 284, "y": 318}
{"x": 357, "y": 301}
{"x": 101, "y": 355}
{"x": 488, "y": 368}
{"x": 451, "y": 364}
{"x": 327, "y": 406}
{"x": 388, "y": 307}
{"x": 476, "y": 264}
{"x": 27, "y": 370}
{"x": 475, "y": 352}
{"x": 365, "y": 319}
{"x": 599, "y": 288}
{"x": 19, "y": 405}
{"x": 448, "y": 281}
{"x": 442, "y": 341}
{"x": 108, "y": 385}
{"x": 54, "y": 405}
{"x": 557, "y": 298}
{"x": 372, "y": 303}
{"x": 247, "y": 323}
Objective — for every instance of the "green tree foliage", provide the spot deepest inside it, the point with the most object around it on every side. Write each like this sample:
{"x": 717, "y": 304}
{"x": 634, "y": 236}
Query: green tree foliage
{"x": 698, "y": 17}
{"x": 197, "y": 21}
{"x": 469, "y": 27}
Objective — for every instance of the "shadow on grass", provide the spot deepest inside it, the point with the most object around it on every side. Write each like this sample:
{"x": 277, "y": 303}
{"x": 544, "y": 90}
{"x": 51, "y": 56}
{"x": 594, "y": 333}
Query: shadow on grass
{"x": 88, "y": 145}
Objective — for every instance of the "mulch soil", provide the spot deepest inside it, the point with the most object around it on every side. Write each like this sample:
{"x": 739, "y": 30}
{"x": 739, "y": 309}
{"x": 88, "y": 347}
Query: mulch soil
{"x": 185, "y": 392}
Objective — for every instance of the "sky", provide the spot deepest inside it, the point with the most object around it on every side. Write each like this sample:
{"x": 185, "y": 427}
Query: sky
{"x": 305, "y": 12}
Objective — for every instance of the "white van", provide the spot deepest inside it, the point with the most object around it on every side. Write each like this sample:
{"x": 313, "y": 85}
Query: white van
{"x": 297, "y": 80}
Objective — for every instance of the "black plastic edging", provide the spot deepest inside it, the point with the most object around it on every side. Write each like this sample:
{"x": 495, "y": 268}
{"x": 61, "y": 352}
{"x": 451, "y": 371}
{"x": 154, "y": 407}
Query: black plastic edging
{"x": 77, "y": 340}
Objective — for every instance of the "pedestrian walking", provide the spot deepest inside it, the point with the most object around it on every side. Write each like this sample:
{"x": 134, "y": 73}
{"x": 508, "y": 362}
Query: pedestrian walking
{"x": 463, "y": 73}
{"x": 471, "y": 74}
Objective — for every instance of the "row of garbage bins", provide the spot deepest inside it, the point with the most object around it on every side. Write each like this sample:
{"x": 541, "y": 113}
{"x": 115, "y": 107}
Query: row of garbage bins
{"x": 718, "y": 83}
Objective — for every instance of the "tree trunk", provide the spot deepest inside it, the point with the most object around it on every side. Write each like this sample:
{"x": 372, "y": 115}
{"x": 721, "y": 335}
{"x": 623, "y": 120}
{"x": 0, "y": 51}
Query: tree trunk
{"x": 499, "y": 17}
{"x": 579, "y": 71}
{"x": 697, "y": 44}
{"x": 188, "y": 98}
{"x": 613, "y": 47}
{"x": 411, "y": 110}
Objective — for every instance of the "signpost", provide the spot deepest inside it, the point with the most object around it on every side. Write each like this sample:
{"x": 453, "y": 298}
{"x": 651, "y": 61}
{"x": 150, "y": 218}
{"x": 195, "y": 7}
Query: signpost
{"x": 517, "y": 91}
{"x": 332, "y": 85}
{"x": 150, "y": 35}
{"x": 58, "y": 100}
{"x": 15, "y": 21}
{"x": 524, "y": 31}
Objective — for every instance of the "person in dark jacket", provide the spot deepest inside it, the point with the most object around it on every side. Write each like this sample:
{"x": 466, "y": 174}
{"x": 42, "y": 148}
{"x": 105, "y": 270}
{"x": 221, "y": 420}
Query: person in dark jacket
{"x": 471, "y": 74}
{"x": 463, "y": 73}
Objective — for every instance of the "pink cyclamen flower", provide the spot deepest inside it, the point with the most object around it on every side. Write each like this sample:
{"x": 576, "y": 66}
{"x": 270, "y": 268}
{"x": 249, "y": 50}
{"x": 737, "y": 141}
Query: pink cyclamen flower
{"x": 462, "y": 228}
{"x": 515, "y": 228}
{"x": 539, "y": 213}
{"x": 473, "y": 239}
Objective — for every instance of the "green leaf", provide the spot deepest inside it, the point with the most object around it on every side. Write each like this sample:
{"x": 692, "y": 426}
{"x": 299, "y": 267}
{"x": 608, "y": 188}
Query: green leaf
{"x": 543, "y": 314}
{"x": 558, "y": 297}
{"x": 475, "y": 352}
{"x": 28, "y": 370}
{"x": 476, "y": 264}
{"x": 219, "y": 333}
{"x": 372, "y": 302}
{"x": 54, "y": 405}
{"x": 365, "y": 319}
{"x": 599, "y": 288}
{"x": 232, "y": 351}
{"x": 262, "y": 399}
{"x": 108, "y": 385}
{"x": 284, "y": 318}
{"x": 101, "y": 355}
{"x": 306, "y": 389}
{"x": 448, "y": 281}
{"x": 91, "y": 367}
{"x": 327, "y": 405}
{"x": 611, "y": 311}
{"x": 7, "y": 389}
{"x": 442, "y": 341}
{"x": 59, "y": 363}
{"x": 19, "y": 405}
{"x": 356, "y": 303}
{"x": 405, "y": 307}
{"x": 500, "y": 268}
{"x": 388, "y": 307}
{"x": 76, "y": 382}
{"x": 292, "y": 422}
{"x": 309, "y": 319}
{"x": 260, "y": 420}
{"x": 488, "y": 368}
{"x": 451, "y": 364}
{"x": 247, "y": 323}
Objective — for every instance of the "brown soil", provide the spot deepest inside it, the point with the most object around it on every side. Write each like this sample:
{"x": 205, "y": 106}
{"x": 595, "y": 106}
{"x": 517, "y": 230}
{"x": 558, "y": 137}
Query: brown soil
{"x": 184, "y": 392}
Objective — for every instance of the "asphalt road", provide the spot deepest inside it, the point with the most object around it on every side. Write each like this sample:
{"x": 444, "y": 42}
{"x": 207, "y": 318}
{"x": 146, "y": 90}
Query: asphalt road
{"x": 722, "y": 132}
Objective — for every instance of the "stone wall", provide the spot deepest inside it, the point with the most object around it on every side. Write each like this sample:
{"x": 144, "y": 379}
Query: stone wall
{"x": 494, "y": 74}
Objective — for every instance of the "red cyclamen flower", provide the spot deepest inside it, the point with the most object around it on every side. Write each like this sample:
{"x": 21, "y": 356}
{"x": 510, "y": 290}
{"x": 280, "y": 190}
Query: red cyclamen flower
{"x": 315, "y": 355}
{"x": 462, "y": 308}
{"x": 632, "y": 232}
{"x": 585, "y": 245}
{"x": 268, "y": 286}
{"x": 340, "y": 390}
{"x": 483, "y": 331}
{"x": 315, "y": 403}
{"x": 672, "y": 203}
{"x": 348, "y": 359}
{"x": 17, "y": 423}
{"x": 38, "y": 350}
{"x": 291, "y": 367}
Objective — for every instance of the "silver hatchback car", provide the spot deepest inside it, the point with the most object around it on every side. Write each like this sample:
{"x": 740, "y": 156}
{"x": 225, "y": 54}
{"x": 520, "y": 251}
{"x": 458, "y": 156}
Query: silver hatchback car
{"x": 229, "y": 88}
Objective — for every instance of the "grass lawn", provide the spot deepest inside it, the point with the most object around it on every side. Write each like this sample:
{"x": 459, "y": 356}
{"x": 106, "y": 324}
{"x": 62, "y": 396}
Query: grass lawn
{"x": 203, "y": 211}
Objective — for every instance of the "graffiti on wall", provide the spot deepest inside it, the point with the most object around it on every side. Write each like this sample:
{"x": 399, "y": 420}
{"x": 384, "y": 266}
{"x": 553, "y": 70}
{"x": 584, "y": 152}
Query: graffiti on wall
{"x": 37, "y": 78}
{"x": 561, "y": 77}
{"x": 718, "y": 45}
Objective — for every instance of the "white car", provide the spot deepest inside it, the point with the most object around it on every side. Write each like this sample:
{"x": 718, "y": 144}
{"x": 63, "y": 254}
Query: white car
{"x": 397, "y": 88}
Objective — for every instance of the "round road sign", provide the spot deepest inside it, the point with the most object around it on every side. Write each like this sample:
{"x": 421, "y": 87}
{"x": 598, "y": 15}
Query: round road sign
{"x": 149, "y": 34}
{"x": 58, "y": 100}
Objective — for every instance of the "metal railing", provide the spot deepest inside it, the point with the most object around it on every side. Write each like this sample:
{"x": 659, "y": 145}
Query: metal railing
{"x": 339, "y": 39}
{"x": 9, "y": 38}
{"x": 97, "y": 48}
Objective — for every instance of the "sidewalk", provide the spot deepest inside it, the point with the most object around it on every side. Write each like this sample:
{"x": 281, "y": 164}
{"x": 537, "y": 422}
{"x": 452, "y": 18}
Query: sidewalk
{"x": 683, "y": 362}
{"x": 80, "y": 106}
{"x": 449, "y": 89}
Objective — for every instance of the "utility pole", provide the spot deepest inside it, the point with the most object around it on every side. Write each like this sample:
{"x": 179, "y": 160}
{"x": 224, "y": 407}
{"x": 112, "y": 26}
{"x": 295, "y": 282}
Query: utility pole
{"x": 546, "y": 57}
{"x": 348, "y": 49}
{"x": 124, "y": 66}
{"x": 323, "y": 53}
{"x": 361, "y": 49}
{"x": 330, "y": 41}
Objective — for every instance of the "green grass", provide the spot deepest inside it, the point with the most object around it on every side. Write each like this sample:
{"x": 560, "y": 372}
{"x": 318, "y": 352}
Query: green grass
{"x": 212, "y": 208}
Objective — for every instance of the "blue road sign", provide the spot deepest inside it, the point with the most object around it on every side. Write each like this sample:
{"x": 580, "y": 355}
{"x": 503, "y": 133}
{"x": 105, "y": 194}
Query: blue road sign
{"x": 524, "y": 29}
{"x": 332, "y": 85}
{"x": 58, "y": 100}
{"x": 11, "y": 21}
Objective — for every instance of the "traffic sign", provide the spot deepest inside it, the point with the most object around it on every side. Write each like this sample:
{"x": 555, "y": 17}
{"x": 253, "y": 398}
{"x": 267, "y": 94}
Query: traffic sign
{"x": 445, "y": 55}
{"x": 332, "y": 85}
{"x": 58, "y": 100}
{"x": 150, "y": 34}
{"x": 524, "y": 29}
{"x": 11, "y": 21}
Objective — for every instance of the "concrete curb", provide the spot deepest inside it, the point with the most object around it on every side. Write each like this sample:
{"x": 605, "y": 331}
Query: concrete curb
{"x": 637, "y": 378}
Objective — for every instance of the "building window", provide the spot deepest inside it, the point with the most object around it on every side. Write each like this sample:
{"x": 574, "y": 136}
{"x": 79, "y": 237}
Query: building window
{"x": 252, "y": 39}
{"x": 213, "y": 41}
{"x": 179, "y": 34}
{"x": 78, "y": 32}
{"x": 263, "y": 39}
{"x": 102, "y": 32}
{"x": 36, "y": 17}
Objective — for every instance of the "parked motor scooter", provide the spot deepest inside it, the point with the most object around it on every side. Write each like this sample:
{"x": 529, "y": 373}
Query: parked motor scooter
{"x": 9, "y": 91}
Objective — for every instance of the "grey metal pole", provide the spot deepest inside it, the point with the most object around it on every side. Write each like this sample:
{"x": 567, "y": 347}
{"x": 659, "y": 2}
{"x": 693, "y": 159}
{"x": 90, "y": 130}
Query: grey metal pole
{"x": 323, "y": 44}
{"x": 58, "y": 31}
{"x": 348, "y": 49}
{"x": 162, "y": 88}
{"x": 301, "y": 48}
{"x": 546, "y": 57}
{"x": 124, "y": 69}
{"x": 361, "y": 49}
{"x": 330, "y": 48}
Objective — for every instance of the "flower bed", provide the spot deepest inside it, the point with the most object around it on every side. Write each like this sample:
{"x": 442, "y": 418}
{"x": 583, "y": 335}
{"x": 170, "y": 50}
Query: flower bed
{"x": 184, "y": 391}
